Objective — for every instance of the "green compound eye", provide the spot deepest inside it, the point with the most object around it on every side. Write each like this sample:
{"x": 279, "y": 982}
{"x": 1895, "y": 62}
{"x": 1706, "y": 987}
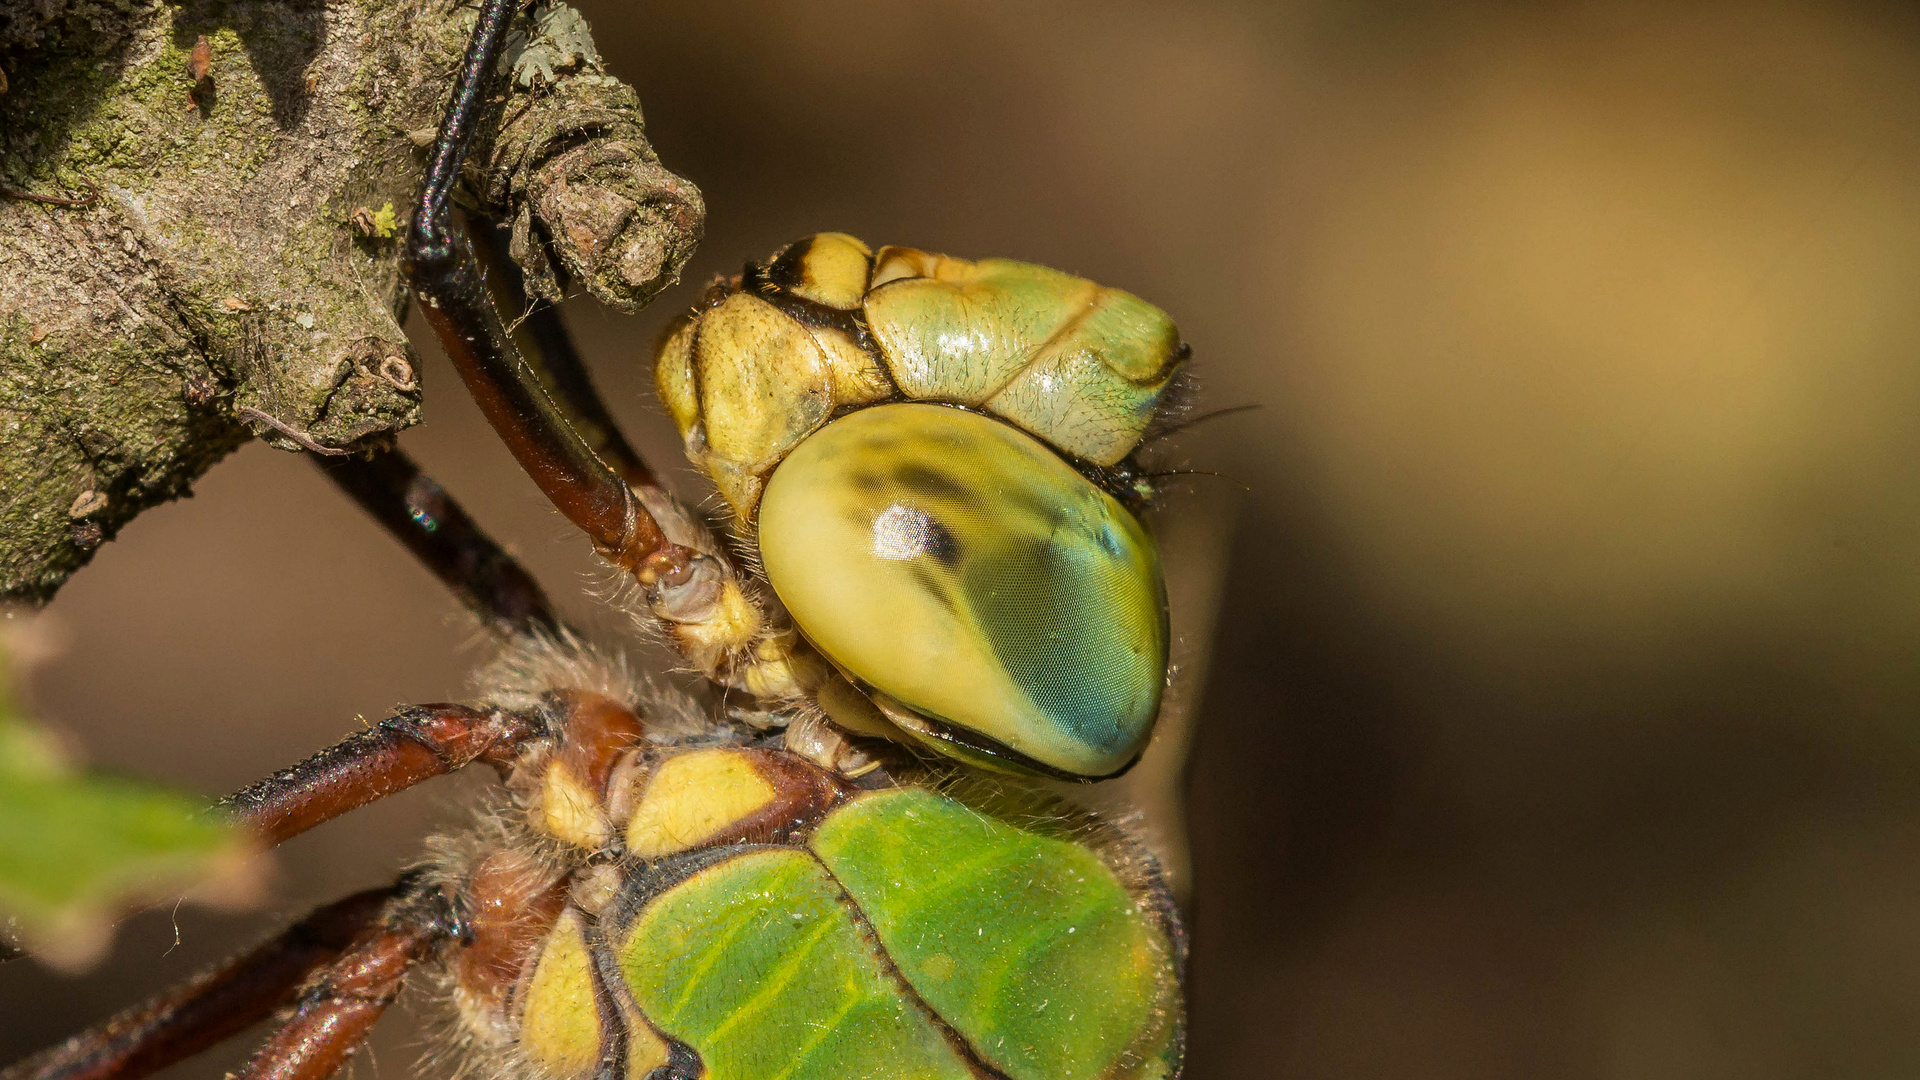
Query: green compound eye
{"x": 959, "y": 567}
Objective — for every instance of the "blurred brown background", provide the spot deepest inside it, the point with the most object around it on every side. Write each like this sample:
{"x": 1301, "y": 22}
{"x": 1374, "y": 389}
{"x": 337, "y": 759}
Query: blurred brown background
{"x": 1563, "y": 717}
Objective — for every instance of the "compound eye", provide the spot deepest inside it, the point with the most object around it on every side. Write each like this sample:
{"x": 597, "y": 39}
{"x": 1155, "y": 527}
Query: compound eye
{"x": 956, "y": 565}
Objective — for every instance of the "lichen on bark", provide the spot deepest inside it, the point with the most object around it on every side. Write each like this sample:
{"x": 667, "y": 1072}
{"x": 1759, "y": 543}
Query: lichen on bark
{"x": 236, "y": 268}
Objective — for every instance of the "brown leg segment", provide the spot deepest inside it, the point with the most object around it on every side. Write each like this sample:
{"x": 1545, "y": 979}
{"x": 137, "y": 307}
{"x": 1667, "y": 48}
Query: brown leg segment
{"x": 420, "y": 514}
{"x": 577, "y": 482}
{"x": 696, "y": 594}
{"x": 213, "y": 1006}
{"x": 342, "y": 1002}
{"x": 444, "y": 274}
{"x": 412, "y": 745}
{"x": 545, "y": 343}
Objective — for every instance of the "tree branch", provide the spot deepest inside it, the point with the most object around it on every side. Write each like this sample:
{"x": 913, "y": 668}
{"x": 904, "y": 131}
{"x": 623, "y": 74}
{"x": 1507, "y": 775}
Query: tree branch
{"x": 238, "y": 272}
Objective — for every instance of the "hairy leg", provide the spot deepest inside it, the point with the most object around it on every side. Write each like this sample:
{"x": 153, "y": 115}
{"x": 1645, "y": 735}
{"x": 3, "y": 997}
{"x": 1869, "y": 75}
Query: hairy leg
{"x": 211, "y": 1007}
{"x": 340, "y": 1004}
{"x": 414, "y": 744}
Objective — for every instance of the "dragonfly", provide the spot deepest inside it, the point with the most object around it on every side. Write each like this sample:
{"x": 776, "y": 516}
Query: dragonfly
{"x": 929, "y": 592}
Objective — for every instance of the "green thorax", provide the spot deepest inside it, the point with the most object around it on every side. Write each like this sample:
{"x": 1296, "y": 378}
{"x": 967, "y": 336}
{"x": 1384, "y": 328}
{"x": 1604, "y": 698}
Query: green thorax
{"x": 906, "y": 933}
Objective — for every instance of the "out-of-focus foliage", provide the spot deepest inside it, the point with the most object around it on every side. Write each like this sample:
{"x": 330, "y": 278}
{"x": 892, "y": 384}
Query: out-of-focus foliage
{"x": 78, "y": 850}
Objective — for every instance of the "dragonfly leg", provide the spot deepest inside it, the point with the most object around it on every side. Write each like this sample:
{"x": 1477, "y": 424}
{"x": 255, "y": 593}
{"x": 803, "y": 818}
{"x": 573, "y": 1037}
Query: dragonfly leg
{"x": 341, "y": 1002}
{"x": 543, "y": 340}
{"x": 212, "y": 1007}
{"x": 449, "y": 282}
{"x": 414, "y": 744}
{"x": 421, "y": 515}
{"x": 686, "y": 579}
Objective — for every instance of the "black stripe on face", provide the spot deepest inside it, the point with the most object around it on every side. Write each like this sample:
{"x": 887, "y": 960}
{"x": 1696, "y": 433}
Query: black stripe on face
{"x": 788, "y": 270}
{"x": 775, "y": 282}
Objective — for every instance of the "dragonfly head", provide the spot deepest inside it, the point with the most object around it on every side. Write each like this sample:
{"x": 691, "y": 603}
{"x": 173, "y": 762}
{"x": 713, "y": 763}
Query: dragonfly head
{"x": 909, "y": 438}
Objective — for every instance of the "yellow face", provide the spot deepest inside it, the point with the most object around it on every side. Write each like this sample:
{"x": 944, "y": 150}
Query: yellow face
{"x": 988, "y": 600}
{"x": 829, "y": 324}
{"x": 961, "y": 570}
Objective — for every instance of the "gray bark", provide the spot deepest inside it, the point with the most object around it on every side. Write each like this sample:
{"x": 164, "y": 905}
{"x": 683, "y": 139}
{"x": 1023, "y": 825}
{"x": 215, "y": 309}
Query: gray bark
{"x": 236, "y": 270}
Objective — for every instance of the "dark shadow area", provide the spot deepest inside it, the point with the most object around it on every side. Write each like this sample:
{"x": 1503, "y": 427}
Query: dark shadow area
{"x": 281, "y": 38}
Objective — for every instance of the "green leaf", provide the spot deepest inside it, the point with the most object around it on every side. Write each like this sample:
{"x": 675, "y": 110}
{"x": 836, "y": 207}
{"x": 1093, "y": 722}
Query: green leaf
{"x": 79, "y": 850}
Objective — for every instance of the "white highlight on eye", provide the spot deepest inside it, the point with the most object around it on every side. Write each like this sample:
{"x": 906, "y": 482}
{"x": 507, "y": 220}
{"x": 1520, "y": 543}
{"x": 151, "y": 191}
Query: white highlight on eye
{"x": 902, "y": 532}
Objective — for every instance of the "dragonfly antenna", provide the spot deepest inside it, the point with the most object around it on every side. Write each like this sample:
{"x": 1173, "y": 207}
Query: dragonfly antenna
{"x": 1197, "y": 420}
